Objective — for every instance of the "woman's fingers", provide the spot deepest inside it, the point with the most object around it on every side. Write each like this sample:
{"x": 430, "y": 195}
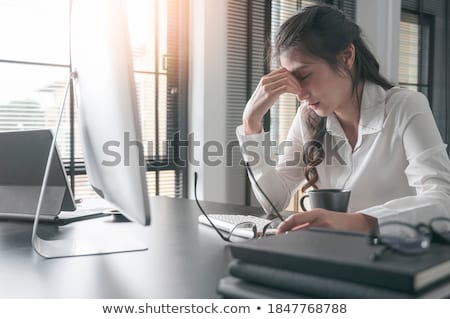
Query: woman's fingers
{"x": 269, "y": 89}
{"x": 328, "y": 219}
{"x": 281, "y": 85}
{"x": 282, "y": 74}
{"x": 306, "y": 225}
{"x": 297, "y": 221}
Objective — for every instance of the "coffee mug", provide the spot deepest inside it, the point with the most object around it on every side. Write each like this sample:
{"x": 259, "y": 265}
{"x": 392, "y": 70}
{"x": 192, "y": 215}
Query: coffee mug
{"x": 332, "y": 199}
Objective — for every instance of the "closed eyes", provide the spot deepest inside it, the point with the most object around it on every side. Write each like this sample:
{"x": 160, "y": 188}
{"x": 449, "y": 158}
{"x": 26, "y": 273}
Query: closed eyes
{"x": 300, "y": 77}
{"x": 303, "y": 78}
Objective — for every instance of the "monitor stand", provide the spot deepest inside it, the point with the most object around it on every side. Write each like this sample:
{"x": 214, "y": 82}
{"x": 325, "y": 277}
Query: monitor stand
{"x": 81, "y": 243}
{"x": 93, "y": 237}
{"x": 119, "y": 218}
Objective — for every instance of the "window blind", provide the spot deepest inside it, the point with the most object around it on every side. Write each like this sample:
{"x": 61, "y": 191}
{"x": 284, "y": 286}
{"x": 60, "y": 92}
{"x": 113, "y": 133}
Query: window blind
{"x": 429, "y": 39}
{"x": 238, "y": 81}
{"x": 415, "y": 52}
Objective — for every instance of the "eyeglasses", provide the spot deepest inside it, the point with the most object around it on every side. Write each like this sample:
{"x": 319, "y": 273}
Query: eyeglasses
{"x": 407, "y": 239}
{"x": 246, "y": 224}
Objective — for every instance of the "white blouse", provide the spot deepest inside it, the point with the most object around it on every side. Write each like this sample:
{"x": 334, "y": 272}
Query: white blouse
{"x": 398, "y": 170}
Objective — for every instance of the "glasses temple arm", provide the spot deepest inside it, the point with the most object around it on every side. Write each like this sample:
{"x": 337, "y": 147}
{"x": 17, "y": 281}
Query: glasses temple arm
{"x": 202, "y": 210}
{"x": 247, "y": 165}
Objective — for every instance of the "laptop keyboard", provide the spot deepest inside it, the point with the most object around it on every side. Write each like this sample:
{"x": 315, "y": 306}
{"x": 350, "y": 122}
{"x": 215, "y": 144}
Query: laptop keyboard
{"x": 227, "y": 222}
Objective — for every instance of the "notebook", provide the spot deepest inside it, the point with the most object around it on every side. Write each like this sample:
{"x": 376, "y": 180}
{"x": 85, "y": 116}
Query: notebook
{"x": 346, "y": 256}
{"x": 231, "y": 287}
{"x": 323, "y": 287}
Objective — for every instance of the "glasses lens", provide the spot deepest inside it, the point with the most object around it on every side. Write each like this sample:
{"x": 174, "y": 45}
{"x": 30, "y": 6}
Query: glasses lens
{"x": 244, "y": 230}
{"x": 404, "y": 238}
{"x": 441, "y": 226}
{"x": 270, "y": 228}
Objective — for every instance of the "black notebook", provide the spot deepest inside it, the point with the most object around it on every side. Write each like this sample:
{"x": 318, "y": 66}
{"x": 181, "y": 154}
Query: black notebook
{"x": 235, "y": 288}
{"x": 346, "y": 256}
{"x": 322, "y": 287}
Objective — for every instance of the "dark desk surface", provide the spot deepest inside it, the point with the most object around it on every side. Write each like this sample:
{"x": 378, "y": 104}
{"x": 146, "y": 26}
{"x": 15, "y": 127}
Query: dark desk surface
{"x": 184, "y": 260}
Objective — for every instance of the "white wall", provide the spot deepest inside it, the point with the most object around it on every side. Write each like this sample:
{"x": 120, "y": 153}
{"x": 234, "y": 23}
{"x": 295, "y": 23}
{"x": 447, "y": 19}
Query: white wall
{"x": 380, "y": 22}
{"x": 207, "y": 93}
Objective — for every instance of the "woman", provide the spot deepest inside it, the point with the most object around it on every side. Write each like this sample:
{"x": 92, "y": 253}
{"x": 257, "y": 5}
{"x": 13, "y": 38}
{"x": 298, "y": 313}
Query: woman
{"x": 354, "y": 130}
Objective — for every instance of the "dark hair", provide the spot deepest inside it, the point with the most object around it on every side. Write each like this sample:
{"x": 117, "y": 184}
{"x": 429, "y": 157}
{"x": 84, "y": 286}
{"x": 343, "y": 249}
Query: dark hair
{"x": 325, "y": 32}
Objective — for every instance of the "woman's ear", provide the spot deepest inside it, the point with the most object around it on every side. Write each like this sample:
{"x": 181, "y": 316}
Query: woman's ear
{"x": 348, "y": 56}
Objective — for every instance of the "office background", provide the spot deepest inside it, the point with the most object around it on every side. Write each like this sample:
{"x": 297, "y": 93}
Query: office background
{"x": 196, "y": 63}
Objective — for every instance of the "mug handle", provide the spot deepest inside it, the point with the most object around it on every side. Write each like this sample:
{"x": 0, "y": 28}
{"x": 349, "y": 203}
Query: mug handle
{"x": 301, "y": 202}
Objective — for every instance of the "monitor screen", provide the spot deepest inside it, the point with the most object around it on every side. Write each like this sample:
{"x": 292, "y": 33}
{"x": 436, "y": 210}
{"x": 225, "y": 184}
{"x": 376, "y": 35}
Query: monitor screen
{"x": 105, "y": 99}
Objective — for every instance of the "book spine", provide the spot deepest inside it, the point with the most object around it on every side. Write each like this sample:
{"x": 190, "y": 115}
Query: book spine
{"x": 360, "y": 274}
{"x": 231, "y": 287}
{"x": 307, "y": 284}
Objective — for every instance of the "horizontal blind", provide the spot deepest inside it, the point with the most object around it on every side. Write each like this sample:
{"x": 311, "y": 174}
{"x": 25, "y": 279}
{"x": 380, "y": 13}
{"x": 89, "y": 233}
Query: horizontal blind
{"x": 283, "y": 112}
{"x": 409, "y": 50}
{"x": 175, "y": 62}
{"x": 348, "y": 7}
{"x": 237, "y": 47}
{"x": 237, "y": 80}
{"x": 433, "y": 43}
{"x": 415, "y": 50}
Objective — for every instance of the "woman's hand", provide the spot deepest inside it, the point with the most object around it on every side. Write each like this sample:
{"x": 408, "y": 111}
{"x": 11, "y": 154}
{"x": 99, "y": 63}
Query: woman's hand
{"x": 269, "y": 89}
{"x": 329, "y": 219}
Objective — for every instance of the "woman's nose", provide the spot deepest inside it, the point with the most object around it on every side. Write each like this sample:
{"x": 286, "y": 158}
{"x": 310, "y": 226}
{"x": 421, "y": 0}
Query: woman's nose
{"x": 303, "y": 95}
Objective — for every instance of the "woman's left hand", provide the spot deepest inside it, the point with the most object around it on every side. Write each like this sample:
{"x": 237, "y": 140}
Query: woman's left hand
{"x": 328, "y": 219}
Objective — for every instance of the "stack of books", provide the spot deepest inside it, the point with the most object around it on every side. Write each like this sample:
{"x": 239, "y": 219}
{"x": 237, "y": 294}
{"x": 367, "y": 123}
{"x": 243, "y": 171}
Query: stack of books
{"x": 318, "y": 263}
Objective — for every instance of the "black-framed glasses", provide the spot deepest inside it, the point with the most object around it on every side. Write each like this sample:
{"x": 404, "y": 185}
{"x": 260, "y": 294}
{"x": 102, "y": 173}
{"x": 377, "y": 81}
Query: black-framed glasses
{"x": 408, "y": 239}
{"x": 246, "y": 225}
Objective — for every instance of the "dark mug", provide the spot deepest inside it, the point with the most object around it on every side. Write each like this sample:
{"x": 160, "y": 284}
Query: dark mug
{"x": 332, "y": 199}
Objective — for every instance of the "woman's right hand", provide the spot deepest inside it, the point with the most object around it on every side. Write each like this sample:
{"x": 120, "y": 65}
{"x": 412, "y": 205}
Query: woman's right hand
{"x": 269, "y": 89}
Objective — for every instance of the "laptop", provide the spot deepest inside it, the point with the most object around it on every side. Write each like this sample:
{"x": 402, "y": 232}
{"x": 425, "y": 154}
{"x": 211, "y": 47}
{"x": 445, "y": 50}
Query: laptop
{"x": 23, "y": 158}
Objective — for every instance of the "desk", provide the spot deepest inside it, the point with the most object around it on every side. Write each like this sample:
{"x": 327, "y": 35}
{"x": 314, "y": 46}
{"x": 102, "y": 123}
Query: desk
{"x": 184, "y": 260}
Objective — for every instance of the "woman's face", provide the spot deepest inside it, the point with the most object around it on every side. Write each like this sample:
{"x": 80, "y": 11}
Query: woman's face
{"x": 323, "y": 89}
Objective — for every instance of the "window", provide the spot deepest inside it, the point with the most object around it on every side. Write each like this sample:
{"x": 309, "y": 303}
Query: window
{"x": 34, "y": 67}
{"x": 424, "y": 58}
{"x": 414, "y": 62}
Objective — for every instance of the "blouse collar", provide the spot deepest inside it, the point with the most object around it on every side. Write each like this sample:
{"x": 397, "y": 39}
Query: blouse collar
{"x": 372, "y": 112}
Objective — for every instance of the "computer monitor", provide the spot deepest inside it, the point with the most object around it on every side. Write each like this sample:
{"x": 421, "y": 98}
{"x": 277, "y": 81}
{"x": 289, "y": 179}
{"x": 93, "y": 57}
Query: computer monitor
{"x": 105, "y": 98}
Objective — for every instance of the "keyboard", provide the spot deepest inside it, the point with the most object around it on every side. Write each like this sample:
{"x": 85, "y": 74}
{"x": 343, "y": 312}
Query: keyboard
{"x": 227, "y": 222}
